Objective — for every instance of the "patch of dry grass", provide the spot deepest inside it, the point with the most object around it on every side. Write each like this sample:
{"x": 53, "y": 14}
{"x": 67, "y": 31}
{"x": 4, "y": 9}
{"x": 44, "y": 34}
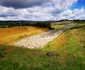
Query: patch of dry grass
{"x": 9, "y": 35}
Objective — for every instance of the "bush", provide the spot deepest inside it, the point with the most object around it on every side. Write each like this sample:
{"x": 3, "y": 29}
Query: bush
{"x": 44, "y": 24}
{"x": 3, "y": 26}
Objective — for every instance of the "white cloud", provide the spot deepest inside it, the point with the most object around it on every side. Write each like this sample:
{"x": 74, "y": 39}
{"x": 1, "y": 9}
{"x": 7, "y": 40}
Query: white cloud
{"x": 53, "y": 10}
{"x": 74, "y": 14}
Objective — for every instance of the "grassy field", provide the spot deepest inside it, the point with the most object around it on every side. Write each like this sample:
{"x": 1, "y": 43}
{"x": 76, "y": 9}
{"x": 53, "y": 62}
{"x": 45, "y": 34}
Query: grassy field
{"x": 10, "y": 35}
{"x": 69, "y": 46}
{"x": 57, "y": 25}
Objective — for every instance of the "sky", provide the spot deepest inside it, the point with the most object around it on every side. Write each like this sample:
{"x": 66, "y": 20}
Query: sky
{"x": 42, "y": 10}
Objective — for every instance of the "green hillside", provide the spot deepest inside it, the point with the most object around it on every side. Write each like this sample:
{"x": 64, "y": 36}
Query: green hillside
{"x": 67, "y": 52}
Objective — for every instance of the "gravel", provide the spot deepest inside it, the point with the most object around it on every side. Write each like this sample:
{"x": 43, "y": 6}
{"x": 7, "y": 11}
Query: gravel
{"x": 39, "y": 41}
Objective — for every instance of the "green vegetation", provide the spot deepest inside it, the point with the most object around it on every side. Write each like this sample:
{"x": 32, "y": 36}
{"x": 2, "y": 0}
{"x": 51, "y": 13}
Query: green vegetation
{"x": 3, "y": 26}
{"x": 58, "y": 25}
{"x": 43, "y": 24}
{"x": 11, "y": 24}
{"x": 70, "y": 47}
{"x": 14, "y": 58}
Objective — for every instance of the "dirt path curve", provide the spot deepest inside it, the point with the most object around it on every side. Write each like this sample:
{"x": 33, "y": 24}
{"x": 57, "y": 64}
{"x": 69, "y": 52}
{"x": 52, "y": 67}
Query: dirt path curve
{"x": 39, "y": 41}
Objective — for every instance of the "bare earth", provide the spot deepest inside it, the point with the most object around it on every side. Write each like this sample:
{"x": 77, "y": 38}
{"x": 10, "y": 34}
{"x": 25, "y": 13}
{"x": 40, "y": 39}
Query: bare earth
{"x": 39, "y": 41}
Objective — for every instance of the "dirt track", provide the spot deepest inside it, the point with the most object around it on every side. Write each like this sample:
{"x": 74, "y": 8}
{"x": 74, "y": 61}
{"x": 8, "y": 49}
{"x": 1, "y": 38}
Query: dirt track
{"x": 39, "y": 41}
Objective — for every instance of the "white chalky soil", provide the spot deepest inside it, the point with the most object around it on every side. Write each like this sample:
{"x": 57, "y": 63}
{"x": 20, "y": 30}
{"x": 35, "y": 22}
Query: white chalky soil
{"x": 39, "y": 41}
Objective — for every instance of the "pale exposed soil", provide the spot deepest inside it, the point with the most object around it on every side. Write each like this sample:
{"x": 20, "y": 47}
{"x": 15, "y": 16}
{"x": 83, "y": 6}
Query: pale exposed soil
{"x": 39, "y": 41}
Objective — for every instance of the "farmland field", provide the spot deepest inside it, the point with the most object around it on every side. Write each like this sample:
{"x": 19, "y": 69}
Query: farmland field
{"x": 67, "y": 52}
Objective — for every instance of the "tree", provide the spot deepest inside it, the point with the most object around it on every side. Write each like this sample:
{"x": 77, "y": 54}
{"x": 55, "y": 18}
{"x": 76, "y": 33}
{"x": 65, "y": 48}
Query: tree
{"x": 11, "y": 24}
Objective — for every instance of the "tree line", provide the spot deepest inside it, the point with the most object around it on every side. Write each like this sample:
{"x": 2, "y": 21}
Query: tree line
{"x": 46, "y": 24}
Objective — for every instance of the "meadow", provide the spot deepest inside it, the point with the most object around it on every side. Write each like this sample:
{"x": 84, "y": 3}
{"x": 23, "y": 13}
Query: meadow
{"x": 67, "y": 53}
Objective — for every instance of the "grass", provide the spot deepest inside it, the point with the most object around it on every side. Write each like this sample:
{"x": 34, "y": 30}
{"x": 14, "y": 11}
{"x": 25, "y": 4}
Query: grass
{"x": 57, "y": 25}
{"x": 10, "y": 35}
{"x": 70, "y": 46}
{"x": 13, "y": 58}
{"x": 77, "y": 32}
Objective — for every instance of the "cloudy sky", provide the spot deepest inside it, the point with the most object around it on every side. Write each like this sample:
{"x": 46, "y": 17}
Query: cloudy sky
{"x": 42, "y": 10}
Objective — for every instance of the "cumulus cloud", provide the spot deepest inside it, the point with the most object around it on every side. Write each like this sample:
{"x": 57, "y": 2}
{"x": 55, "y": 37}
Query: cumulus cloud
{"x": 39, "y": 10}
{"x": 74, "y": 14}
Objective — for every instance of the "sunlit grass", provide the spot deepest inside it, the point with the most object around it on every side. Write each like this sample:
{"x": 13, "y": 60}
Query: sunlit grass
{"x": 10, "y": 35}
{"x": 58, "y": 25}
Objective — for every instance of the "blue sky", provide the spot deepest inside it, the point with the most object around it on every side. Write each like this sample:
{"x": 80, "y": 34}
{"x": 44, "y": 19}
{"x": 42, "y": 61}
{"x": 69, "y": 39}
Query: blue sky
{"x": 42, "y": 10}
{"x": 79, "y": 4}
